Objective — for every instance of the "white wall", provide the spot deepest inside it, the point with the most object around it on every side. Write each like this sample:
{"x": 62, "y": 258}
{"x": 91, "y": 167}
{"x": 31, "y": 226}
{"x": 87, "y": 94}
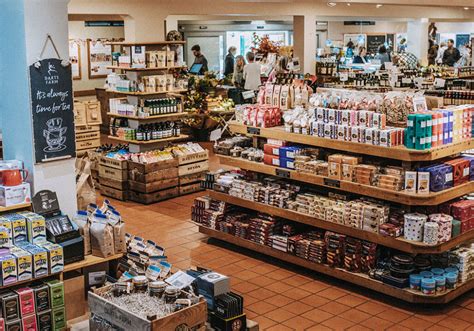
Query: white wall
{"x": 455, "y": 27}
{"x": 77, "y": 30}
{"x": 336, "y": 30}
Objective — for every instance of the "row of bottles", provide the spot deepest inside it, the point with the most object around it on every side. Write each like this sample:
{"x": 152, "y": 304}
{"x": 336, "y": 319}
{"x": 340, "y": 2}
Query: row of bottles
{"x": 155, "y": 131}
{"x": 161, "y": 106}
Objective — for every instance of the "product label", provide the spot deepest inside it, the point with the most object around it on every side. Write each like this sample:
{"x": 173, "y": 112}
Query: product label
{"x": 465, "y": 172}
{"x": 449, "y": 177}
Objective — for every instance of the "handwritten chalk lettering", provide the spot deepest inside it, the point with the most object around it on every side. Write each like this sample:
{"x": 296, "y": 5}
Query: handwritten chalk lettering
{"x": 53, "y": 108}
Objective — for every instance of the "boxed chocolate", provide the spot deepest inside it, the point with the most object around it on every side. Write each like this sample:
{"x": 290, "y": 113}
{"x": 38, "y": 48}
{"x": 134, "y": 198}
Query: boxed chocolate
{"x": 45, "y": 320}
{"x": 8, "y": 269}
{"x": 56, "y": 292}
{"x": 42, "y": 298}
{"x": 27, "y": 300}
{"x": 59, "y": 318}
{"x": 10, "y": 306}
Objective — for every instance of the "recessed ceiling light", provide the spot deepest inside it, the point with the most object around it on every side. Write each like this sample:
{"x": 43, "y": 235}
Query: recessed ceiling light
{"x": 332, "y": 4}
{"x": 348, "y": 4}
{"x": 379, "y": 5}
{"x": 466, "y": 8}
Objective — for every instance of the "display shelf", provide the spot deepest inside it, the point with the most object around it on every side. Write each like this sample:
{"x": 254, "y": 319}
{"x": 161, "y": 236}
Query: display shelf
{"x": 400, "y": 244}
{"x": 146, "y": 43}
{"x": 90, "y": 260}
{"x": 354, "y": 278}
{"x": 150, "y": 142}
{"x": 411, "y": 199}
{"x": 145, "y": 69}
{"x": 149, "y": 118}
{"x": 146, "y": 93}
{"x": 397, "y": 153}
{"x": 15, "y": 207}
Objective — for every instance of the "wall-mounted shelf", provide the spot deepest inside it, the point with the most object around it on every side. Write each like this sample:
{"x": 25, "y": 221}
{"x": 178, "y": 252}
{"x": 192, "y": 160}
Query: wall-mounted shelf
{"x": 151, "y": 142}
{"x": 146, "y": 93}
{"x": 411, "y": 199}
{"x": 15, "y": 207}
{"x": 145, "y": 69}
{"x": 149, "y": 118}
{"x": 146, "y": 43}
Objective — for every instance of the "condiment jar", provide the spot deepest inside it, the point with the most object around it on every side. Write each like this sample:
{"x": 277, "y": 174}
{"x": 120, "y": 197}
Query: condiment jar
{"x": 156, "y": 289}
{"x": 140, "y": 284}
{"x": 171, "y": 294}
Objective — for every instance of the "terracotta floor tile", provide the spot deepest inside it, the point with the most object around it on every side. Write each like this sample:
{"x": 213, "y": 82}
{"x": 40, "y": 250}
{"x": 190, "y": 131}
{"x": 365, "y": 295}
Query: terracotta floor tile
{"x": 279, "y": 300}
{"x": 262, "y": 281}
{"x": 261, "y": 307}
{"x": 314, "y": 286}
{"x": 377, "y": 323}
{"x": 319, "y": 327}
{"x": 314, "y": 300}
{"x": 248, "y": 300}
{"x": 338, "y": 323}
{"x": 279, "y": 274}
{"x": 250, "y": 314}
{"x": 397, "y": 327}
{"x": 244, "y": 287}
{"x": 470, "y": 305}
{"x": 431, "y": 316}
{"x": 335, "y": 308}
{"x": 264, "y": 322}
{"x": 296, "y": 293}
{"x": 332, "y": 293}
{"x": 358, "y": 328}
{"x": 279, "y": 328}
{"x": 297, "y": 307}
{"x": 393, "y": 315}
{"x": 278, "y": 286}
{"x": 263, "y": 269}
{"x": 464, "y": 314}
{"x": 436, "y": 327}
{"x": 351, "y": 300}
{"x": 246, "y": 274}
{"x": 262, "y": 293}
{"x": 371, "y": 307}
{"x": 297, "y": 280}
{"x": 299, "y": 323}
{"x": 317, "y": 315}
{"x": 280, "y": 315}
{"x": 355, "y": 315}
{"x": 416, "y": 323}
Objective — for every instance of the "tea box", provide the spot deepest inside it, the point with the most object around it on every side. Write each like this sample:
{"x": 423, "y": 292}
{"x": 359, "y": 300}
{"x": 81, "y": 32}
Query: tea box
{"x": 59, "y": 318}
{"x": 56, "y": 293}
{"x": 41, "y": 293}
{"x": 56, "y": 257}
{"x": 36, "y": 227}
{"x": 24, "y": 263}
{"x": 19, "y": 233}
{"x": 10, "y": 306}
{"x": 27, "y": 300}
{"x": 5, "y": 240}
{"x": 45, "y": 320}
{"x": 29, "y": 323}
{"x": 13, "y": 325}
{"x": 8, "y": 269}
{"x": 40, "y": 259}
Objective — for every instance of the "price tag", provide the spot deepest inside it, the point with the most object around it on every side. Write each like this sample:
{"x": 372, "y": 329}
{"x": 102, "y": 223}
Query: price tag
{"x": 419, "y": 82}
{"x": 439, "y": 82}
{"x": 343, "y": 76}
{"x": 282, "y": 173}
{"x": 406, "y": 80}
{"x": 248, "y": 95}
{"x": 252, "y": 130}
{"x": 332, "y": 182}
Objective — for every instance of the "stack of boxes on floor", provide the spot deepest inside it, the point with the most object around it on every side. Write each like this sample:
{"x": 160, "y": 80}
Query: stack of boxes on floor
{"x": 154, "y": 176}
{"x": 87, "y": 120}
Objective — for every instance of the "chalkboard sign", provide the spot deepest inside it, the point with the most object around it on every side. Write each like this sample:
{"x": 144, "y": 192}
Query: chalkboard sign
{"x": 52, "y": 109}
{"x": 46, "y": 203}
{"x": 374, "y": 42}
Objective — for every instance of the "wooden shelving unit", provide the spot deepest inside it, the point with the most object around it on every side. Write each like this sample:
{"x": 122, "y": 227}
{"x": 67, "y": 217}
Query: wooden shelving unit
{"x": 151, "y": 142}
{"x": 15, "y": 207}
{"x": 146, "y": 69}
{"x": 400, "y": 244}
{"x": 354, "y": 278}
{"x": 410, "y": 199}
{"x": 144, "y": 94}
{"x": 150, "y": 118}
{"x": 147, "y": 43}
{"x": 397, "y": 153}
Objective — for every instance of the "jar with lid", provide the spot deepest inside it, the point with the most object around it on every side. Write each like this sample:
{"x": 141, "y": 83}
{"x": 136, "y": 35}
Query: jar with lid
{"x": 171, "y": 294}
{"x": 140, "y": 284}
{"x": 156, "y": 289}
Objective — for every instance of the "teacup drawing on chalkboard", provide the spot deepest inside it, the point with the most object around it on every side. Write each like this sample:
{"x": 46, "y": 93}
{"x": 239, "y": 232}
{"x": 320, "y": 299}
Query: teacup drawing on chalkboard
{"x": 55, "y": 135}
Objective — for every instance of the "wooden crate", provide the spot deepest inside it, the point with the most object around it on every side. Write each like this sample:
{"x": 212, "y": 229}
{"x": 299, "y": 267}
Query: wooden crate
{"x": 87, "y": 135}
{"x": 93, "y": 114}
{"x": 113, "y": 173}
{"x": 80, "y": 117}
{"x": 152, "y": 167}
{"x": 116, "y": 184}
{"x": 193, "y": 317}
{"x": 147, "y": 198}
{"x": 113, "y": 163}
{"x": 88, "y": 144}
{"x": 151, "y": 187}
{"x": 190, "y": 188}
{"x": 192, "y": 158}
{"x": 193, "y": 168}
{"x": 87, "y": 128}
{"x": 137, "y": 176}
{"x": 113, "y": 193}
{"x": 192, "y": 178}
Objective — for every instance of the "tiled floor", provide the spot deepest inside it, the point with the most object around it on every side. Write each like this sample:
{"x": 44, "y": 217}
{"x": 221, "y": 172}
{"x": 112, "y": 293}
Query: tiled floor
{"x": 281, "y": 296}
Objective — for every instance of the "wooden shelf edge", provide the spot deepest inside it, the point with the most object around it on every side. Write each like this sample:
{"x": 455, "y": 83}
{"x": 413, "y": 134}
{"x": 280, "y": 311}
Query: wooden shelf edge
{"x": 354, "y": 278}
{"x": 150, "y": 142}
{"x": 397, "y": 153}
{"x": 146, "y": 93}
{"x": 410, "y": 199}
{"x": 149, "y": 118}
{"x": 15, "y": 207}
{"x": 395, "y": 243}
{"x": 145, "y": 69}
{"x": 90, "y": 260}
{"x": 146, "y": 43}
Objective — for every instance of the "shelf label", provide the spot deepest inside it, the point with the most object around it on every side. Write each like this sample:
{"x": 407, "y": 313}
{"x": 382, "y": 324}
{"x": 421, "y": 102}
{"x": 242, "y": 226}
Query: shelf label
{"x": 332, "y": 182}
{"x": 282, "y": 173}
{"x": 255, "y": 131}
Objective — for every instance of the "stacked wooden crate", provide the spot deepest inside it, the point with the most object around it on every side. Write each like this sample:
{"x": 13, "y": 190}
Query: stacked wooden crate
{"x": 149, "y": 183}
{"x": 87, "y": 120}
{"x": 192, "y": 169}
{"x": 113, "y": 178}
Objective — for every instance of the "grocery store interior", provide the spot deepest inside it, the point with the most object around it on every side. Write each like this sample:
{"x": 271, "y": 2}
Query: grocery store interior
{"x": 236, "y": 165}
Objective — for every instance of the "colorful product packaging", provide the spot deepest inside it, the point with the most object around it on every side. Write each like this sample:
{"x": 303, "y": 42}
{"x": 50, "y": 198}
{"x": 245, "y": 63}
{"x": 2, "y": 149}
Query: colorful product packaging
{"x": 24, "y": 263}
{"x": 8, "y": 269}
{"x": 56, "y": 292}
{"x": 27, "y": 301}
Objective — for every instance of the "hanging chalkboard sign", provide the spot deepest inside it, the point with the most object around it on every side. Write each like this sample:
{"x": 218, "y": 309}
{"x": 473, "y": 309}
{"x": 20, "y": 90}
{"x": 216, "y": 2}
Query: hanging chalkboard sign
{"x": 52, "y": 110}
{"x": 374, "y": 42}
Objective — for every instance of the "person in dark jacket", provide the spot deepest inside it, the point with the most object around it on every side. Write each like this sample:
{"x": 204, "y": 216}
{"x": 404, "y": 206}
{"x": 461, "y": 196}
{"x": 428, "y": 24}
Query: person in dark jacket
{"x": 362, "y": 57}
{"x": 229, "y": 61}
{"x": 451, "y": 54}
{"x": 199, "y": 58}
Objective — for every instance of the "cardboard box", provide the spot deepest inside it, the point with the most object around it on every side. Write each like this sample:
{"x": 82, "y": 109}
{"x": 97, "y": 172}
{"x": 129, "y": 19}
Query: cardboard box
{"x": 10, "y": 306}
{"x": 42, "y": 299}
{"x": 75, "y": 297}
{"x": 56, "y": 292}
{"x": 8, "y": 269}
{"x": 45, "y": 320}
{"x": 14, "y": 195}
{"x": 27, "y": 301}
{"x": 59, "y": 318}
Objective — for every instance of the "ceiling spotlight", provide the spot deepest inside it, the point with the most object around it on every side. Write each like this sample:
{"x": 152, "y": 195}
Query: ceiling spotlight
{"x": 379, "y": 5}
{"x": 466, "y": 8}
{"x": 348, "y": 4}
{"x": 332, "y": 4}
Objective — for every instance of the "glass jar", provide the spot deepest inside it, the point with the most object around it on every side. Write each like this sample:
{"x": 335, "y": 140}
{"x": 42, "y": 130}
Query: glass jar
{"x": 140, "y": 284}
{"x": 171, "y": 294}
{"x": 156, "y": 289}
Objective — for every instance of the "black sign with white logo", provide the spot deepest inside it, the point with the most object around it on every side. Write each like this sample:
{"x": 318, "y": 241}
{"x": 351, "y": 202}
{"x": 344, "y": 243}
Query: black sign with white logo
{"x": 52, "y": 109}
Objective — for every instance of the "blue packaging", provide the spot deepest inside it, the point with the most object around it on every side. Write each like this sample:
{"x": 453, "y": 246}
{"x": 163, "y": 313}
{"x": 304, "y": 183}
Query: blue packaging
{"x": 415, "y": 282}
{"x": 437, "y": 271}
{"x": 426, "y": 274}
{"x": 451, "y": 280}
{"x": 428, "y": 286}
{"x": 287, "y": 163}
{"x": 288, "y": 152}
{"x": 441, "y": 176}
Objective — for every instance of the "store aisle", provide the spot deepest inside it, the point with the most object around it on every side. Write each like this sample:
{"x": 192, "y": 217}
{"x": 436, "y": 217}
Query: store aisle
{"x": 278, "y": 295}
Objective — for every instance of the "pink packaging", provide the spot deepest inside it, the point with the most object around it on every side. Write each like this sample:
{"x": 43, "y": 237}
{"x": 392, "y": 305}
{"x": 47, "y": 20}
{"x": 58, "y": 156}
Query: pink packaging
{"x": 27, "y": 301}
{"x": 29, "y": 323}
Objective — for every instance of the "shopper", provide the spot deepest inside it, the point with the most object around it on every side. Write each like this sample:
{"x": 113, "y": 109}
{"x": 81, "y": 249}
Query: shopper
{"x": 439, "y": 58}
{"x": 362, "y": 57}
{"x": 432, "y": 53}
{"x": 238, "y": 76}
{"x": 199, "y": 58}
{"x": 451, "y": 54}
{"x": 229, "y": 61}
{"x": 251, "y": 73}
{"x": 383, "y": 56}
{"x": 402, "y": 46}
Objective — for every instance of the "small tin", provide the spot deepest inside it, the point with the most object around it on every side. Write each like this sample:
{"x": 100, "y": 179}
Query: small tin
{"x": 156, "y": 289}
{"x": 437, "y": 271}
{"x": 415, "y": 282}
{"x": 45, "y": 320}
{"x": 451, "y": 280}
{"x": 428, "y": 286}
{"x": 140, "y": 284}
{"x": 426, "y": 274}
{"x": 440, "y": 284}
